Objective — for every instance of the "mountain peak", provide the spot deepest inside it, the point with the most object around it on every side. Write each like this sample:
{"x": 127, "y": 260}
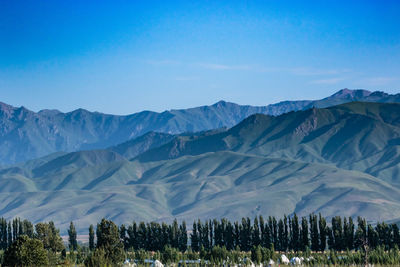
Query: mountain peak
{"x": 6, "y": 107}
{"x": 221, "y": 103}
{"x": 351, "y": 93}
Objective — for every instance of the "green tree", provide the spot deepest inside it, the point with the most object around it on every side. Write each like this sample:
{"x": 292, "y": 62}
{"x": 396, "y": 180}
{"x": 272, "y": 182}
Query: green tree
{"x": 142, "y": 236}
{"x": 305, "y": 243}
{"x": 169, "y": 254}
{"x": 174, "y": 234}
{"x": 9, "y": 234}
{"x": 73, "y": 243}
{"x": 281, "y": 235}
{"x": 3, "y": 234}
{"x": 26, "y": 251}
{"x": 314, "y": 232}
{"x": 183, "y": 237}
{"x": 91, "y": 237}
{"x": 361, "y": 236}
{"x": 396, "y": 235}
{"x": 98, "y": 258}
{"x": 372, "y": 237}
{"x": 236, "y": 235}
{"x": 295, "y": 238}
{"x": 274, "y": 231}
{"x": 217, "y": 233}
{"x": 229, "y": 236}
{"x": 256, "y": 254}
{"x": 164, "y": 234}
{"x": 211, "y": 232}
{"x": 323, "y": 232}
{"x": 15, "y": 228}
{"x": 194, "y": 238}
{"x": 132, "y": 235}
{"x": 337, "y": 232}
{"x": 50, "y": 236}
{"x": 245, "y": 234}
{"x": 384, "y": 235}
{"x": 123, "y": 236}
{"x": 203, "y": 233}
{"x": 108, "y": 239}
{"x": 256, "y": 233}
{"x": 349, "y": 234}
{"x": 285, "y": 242}
{"x": 28, "y": 229}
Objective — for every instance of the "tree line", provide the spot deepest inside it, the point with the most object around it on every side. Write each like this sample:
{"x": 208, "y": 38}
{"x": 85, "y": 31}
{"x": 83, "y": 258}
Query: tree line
{"x": 289, "y": 233}
{"x": 26, "y": 244}
{"x": 110, "y": 243}
{"x": 47, "y": 233}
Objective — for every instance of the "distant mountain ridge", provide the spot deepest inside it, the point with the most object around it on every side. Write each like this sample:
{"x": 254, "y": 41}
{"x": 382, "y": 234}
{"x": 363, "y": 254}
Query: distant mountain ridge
{"x": 25, "y": 134}
{"x": 338, "y": 160}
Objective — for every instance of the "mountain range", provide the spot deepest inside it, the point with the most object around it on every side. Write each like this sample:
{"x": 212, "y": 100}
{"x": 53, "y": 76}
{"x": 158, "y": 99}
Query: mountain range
{"x": 340, "y": 160}
{"x": 26, "y": 135}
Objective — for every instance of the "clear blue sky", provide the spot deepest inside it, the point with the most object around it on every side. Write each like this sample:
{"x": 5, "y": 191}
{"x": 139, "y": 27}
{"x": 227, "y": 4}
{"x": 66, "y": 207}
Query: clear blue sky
{"x": 126, "y": 56}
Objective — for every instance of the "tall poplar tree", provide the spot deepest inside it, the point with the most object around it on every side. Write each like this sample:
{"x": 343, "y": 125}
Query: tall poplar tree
{"x": 182, "y": 239}
{"x": 73, "y": 243}
{"x": 323, "y": 233}
{"x": 295, "y": 238}
{"x": 210, "y": 230}
{"x": 396, "y": 235}
{"x": 91, "y": 237}
{"x": 256, "y": 233}
{"x": 236, "y": 234}
{"x": 194, "y": 238}
{"x": 281, "y": 236}
{"x": 285, "y": 243}
{"x": 314, "y": 232}
{"x": 108, "y": 240}
{"x": 304, "y": 234}
{"x": 9, "y": 234}
{"x": 3, "y": 234}
{"x": 337, "y": 233}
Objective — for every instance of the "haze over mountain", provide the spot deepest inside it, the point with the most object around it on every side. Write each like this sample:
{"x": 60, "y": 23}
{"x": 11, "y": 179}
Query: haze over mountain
{"x": 338, "y": 160}
{"x": 25, "y": 134}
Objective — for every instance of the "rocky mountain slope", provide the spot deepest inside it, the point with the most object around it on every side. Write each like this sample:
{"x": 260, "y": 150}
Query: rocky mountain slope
{"x": 25, "y": 134}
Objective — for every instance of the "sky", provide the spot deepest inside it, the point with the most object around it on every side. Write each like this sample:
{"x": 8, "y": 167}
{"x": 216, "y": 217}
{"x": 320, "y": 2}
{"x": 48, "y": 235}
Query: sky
{"x": 122, "y": 57}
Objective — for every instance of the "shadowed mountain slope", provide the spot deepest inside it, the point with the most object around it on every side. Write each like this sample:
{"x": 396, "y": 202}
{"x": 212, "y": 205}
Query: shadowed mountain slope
{"x": 359, "y": 135}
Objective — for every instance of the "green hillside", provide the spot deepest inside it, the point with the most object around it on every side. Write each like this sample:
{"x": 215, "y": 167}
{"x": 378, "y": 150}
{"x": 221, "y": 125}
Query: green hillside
{"x": 221, "y": 184}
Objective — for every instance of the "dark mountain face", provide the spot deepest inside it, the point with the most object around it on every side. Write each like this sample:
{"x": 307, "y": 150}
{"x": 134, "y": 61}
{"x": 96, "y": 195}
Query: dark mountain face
{"x": 137, "y": 146}
{"x": 26, "y": 135}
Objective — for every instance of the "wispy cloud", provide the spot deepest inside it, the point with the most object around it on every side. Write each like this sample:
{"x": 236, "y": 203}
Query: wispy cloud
{"x": 315, "y": 72}
{"x": 327, "y": 81}
{"x": 163, "y": 62}
{"x": 186, "y": 78}
{"x": 376, "y": 81}
{"x": 212, "y": 66}
{"x": 300, "y": 71}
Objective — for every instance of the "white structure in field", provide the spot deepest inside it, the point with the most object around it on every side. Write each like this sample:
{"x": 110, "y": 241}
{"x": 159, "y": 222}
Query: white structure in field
{"x": 284, "y": 259}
